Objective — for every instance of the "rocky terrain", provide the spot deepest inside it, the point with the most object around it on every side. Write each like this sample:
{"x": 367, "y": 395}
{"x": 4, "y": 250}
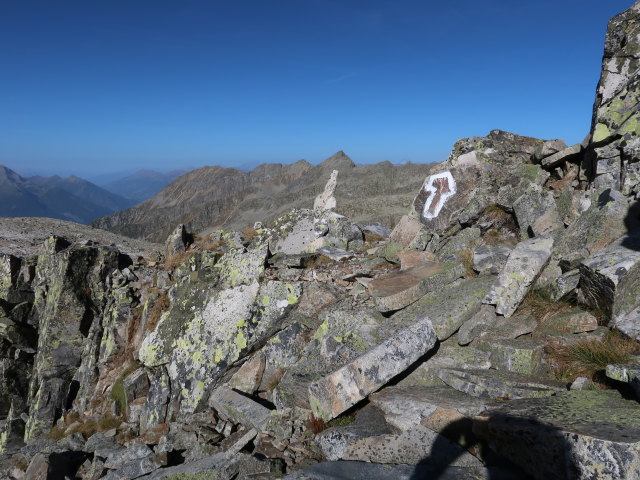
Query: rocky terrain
{"x": 212, "y": 198}
{"x": 493, "y": 334}
{"x": 71, "y": 198}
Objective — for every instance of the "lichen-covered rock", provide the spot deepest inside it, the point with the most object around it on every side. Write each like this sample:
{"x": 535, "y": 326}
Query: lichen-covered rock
{"x": 579, "y": 434}
{"x": 238, "y": 267}
{"x": 628, "y": 373}
{"x": 70, "y": 292}
{"x": 598, "y": 226}
{"x": 448, "y": 307}
{"x": 218, "y": 333}
{"x": 569, "y": 154}
{"x": 609, "y": 281}
{"x": 231, "y": 405}
{"x": 481, "y": 322}
{"x": 490, "y": 258}
{"x": 521, "y": 355}
{"x": 178, "y": 241}
{"x": 396, "y": 290}
{"x": 493, "y": 384}
{"x": 547, "y": 149}
{"x": 615, "y": 124}
{"x": 448, "y": 356}
{"x": 524, "y": 264}
{"x": 350, "y": 384}
{"x": 536, "y": 212}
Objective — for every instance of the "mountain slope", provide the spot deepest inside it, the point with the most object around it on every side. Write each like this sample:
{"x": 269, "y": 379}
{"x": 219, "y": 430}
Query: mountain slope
{"x": 69, "y": 198}
{"x": 217, "y": 197}
{"x": 142, "y": 184}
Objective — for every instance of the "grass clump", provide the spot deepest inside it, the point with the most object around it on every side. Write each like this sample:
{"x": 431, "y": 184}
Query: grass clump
{"x": 540, "y": 304}
{"x": 174, "y": 261}
{"x": 86, "y": 427}
{"x": 160, "y": 305}
{"x": 589, "y": 358}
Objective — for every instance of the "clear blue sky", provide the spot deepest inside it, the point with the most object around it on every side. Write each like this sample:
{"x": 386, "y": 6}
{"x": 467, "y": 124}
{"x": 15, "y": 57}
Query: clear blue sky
{"x": 103, "y": 85}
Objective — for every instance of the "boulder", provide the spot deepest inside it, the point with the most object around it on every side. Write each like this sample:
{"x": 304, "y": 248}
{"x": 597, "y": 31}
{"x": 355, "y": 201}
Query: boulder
{"x": 547, "y": 149}
{"x": 523, "y": 266}
{"x": 577, "y": 434}
{"x": 628, "y": 373}
{"x": 609, "y": 280}
{"x": 570, "y": 154}
{"x": 178, "y": 241}
{"x": 490, "y": 259}
{"x": 396, "y": 290}
{"x": 238, "y": 408}
{"x": 350, "y": 384}
{"x": 448, "y": 307}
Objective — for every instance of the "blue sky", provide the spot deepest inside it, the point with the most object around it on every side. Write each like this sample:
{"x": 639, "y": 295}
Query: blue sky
{"x": 98, "y": 86}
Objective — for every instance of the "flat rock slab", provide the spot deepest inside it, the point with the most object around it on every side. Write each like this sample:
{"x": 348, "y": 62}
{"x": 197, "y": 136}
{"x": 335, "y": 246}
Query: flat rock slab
{"x": 398, "y": 289}
{"x": 496, "y": 384}
{"x": 345, "y": 387}
{"x": 575, "y": 321}
{"x": 610, "y": 279}
{"x": 578, "y": 434}
{"x": 231, "y": 405}
{"x": 490, "y": 258}
{"x": 523, "y": 266}
{"x": 448, "y": 307}
{"x": 447, "y": 356}
{"x": 521, "y": 355}
{"x": 405, "y": 407}
{"x": 336, "y": 254}
{"x": 347, "y": 470}
{"x": 566, "y": 155}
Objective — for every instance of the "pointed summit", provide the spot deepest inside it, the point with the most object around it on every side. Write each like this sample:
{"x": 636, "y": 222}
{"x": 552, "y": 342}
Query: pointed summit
{"x": 337, "y": 161}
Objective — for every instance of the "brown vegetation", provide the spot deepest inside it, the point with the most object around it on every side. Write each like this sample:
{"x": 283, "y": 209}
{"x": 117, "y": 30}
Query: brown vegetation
{"x": 85, "y": 426}
{"x": 160, "y": 305}
{"x": 589, "y": 358}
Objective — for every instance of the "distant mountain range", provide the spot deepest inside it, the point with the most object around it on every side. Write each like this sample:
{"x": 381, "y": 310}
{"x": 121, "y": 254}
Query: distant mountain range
{"x": 70, "y": 198}
{"x": 216, "y": 197}
{"x": 142, "y": 184}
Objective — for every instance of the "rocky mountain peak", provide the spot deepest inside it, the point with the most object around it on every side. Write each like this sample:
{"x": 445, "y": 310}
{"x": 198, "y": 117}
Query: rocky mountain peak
{"x": 337, "y": 161}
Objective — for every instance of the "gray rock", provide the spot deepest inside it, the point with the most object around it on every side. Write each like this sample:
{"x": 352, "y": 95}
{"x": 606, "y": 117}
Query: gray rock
{"x": 481, "y": 322}
{"x": 547, "y": 149}
{"x": 350, "y": 384}
{"x": 579, "y": 434}
{"x": 524, "y": 264}
{"x": 434, "y": 407}
{"x": 448, "y": 308}
{"x": 565, "y": 284}
{"x": 582, "y": 383}
{"x": 326, "y": 200}
{"x": 398, "y": 289}
{"x": 512, "y": 327}
{"x": 447, "y": 356}
{"x": 177, "y": 242}
{"x": 231, "y": 405}
{"x": 521, "y": 355}
{"x": 628, "y": 373}
{"x": 537, "y": 213}
{"x": 493, "y": 384}
{"x": 490, "y": 258}
{"x": 120, "y": 457}
{"x": 570, "y": 154}
{"x": 377, "y": 229}
{"x": 370, "y": 422}
{"x": 336, "y": 254}
{"x": 609, "y": 281}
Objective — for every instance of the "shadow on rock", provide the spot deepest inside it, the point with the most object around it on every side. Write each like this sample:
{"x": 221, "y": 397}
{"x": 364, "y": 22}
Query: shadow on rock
{"x": 513, "y": 448}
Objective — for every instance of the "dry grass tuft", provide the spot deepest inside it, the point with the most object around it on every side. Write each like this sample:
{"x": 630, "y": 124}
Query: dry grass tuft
{"x": 590, "y": 358}
{"x": 160, "y": 306}
{"x": 541, "y": 306}
{"x": 87, "y": 427}
{"x": 174, "y": 261}
{"x": 466, "y": 256}
{"x": 316, "y": 425}
{"x": 249, "y": 234}
{"x": 373, "y": 238}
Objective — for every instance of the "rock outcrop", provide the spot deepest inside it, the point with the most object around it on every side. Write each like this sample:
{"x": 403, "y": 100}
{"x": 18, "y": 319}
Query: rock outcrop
{"x": 452, "y": 347}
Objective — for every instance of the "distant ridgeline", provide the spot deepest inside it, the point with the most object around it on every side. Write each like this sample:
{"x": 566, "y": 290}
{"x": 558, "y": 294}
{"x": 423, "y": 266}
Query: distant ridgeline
{"x": 215, "y": 197}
